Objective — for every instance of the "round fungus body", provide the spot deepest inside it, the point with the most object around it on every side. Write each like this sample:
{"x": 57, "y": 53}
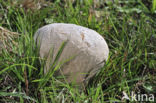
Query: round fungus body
{"x": 84, "y": 53}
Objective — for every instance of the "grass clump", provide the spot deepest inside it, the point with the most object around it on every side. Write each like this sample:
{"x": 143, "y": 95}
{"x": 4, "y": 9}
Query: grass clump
{"x": 128, "y": 27}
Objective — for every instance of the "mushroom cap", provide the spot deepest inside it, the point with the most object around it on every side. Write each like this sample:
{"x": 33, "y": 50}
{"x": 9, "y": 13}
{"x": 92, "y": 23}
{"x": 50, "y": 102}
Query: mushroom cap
{"x": 88, "y": 49}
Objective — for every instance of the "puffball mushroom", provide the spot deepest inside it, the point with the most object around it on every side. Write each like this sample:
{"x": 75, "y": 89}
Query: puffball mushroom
{"x": 89, "y": 49}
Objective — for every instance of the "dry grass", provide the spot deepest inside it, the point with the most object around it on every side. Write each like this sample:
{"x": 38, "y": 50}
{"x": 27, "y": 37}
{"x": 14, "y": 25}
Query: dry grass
{"x": 7, "y": 37}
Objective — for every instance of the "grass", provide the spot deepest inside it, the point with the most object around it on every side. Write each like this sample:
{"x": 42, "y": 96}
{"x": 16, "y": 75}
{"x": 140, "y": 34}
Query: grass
{"x": 128, "y": 27}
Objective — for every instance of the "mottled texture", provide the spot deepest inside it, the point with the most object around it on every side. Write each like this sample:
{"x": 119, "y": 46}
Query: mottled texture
{"x": 89, "y": 49}
{"x": 1, "y": 46}
{"x": 6, "y": 38}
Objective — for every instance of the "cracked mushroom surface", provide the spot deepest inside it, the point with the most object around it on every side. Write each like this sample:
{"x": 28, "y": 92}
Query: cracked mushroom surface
{"x": 88, "y": 49}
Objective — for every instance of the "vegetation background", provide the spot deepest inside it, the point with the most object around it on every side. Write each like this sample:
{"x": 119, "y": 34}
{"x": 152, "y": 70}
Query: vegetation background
{"x": 129, "y": 27}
